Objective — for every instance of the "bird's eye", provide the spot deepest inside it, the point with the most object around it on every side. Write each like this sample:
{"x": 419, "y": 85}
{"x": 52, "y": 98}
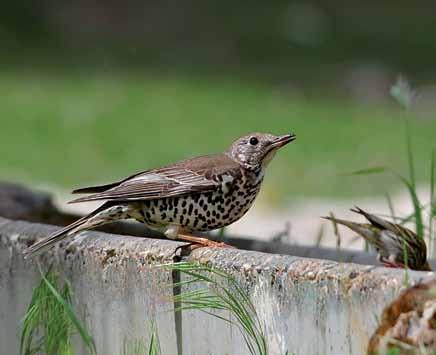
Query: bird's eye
{"x": 254, "y": 141}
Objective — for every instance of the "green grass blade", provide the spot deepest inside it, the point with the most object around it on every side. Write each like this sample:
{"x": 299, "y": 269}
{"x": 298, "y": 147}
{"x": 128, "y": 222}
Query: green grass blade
{"x": 432, "y": 245}
{"x": 416, "y": 206}
{"x": 319, "y": 236}
{"x": 368, "y": 171}
{"x": 406, "y": 280}
{"x": 222, "y": 292}
{"x": 391, "y": 207}
{"x": 87, "y": 339}
{"x": 46, "y": 327}
{"x": 410, "y": 159}
{"x": 154, "y": 345}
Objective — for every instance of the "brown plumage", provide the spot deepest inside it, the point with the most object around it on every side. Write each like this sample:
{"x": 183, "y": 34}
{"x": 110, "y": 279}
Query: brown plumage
{"x": 392, "y": 242}
{"x": 194, "y": 195}
{"x": 188, "y": 176}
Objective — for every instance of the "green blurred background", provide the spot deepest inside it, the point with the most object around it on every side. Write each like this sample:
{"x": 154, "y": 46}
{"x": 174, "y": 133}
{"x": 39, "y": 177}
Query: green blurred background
{"x": 93, "y": 91}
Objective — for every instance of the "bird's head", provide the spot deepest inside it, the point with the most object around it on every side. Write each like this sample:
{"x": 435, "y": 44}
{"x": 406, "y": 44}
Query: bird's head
{"x": 257, "y": 149}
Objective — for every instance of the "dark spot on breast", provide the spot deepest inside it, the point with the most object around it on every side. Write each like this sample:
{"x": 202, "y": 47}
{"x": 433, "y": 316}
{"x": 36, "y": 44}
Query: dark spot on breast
{"x": 183, "y": 203}
{"x": 191, "y": 206}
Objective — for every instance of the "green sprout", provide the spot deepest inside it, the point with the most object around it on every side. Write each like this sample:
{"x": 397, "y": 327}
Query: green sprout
{"x": 222, "y": 292}
{"x": 50, "y": 320}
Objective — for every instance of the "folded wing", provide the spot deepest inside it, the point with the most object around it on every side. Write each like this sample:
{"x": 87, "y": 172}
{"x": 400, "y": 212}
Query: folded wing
{"x": 157, "y": 183}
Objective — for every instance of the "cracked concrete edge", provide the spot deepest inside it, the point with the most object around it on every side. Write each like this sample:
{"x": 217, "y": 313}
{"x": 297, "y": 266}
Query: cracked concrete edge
{"x": 21, "y": 234}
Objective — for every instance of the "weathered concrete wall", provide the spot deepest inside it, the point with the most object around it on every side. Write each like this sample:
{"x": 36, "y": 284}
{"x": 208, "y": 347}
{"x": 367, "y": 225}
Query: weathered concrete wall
{"x": 308, "y": 306}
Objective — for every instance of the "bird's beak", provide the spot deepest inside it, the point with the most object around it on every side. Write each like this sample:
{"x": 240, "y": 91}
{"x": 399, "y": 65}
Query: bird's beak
{"x": 281, "y": 141}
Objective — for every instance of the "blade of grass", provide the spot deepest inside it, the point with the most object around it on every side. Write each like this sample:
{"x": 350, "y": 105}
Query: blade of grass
{"x": 410, "y": 159}
{"x": 154, "y": 345}
{"x": 46, "y": 328}
{"x": 406, "y": 281}
{"x": 391, "y": 206}
{"x": 87, "y": 339}
{"x": 416, "y": 206}
{"x": 432, "y": 247}
{"x": 223, "y": 293}
{"x": 368, "y": 171}
{"x": 319, "y": 236}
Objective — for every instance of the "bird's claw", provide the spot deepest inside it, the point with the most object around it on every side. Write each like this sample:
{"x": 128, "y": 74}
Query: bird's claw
{"x": 188, "y": 248}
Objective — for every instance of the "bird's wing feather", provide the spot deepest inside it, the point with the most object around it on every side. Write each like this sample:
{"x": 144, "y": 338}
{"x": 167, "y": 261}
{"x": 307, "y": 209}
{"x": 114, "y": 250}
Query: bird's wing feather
{"x": 194, "y": 175}
{"x": 155, "y": 184}
{"x": 386, "y": 225}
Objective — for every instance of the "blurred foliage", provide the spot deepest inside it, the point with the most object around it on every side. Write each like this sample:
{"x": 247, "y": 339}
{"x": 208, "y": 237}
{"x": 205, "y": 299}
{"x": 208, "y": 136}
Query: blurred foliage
{"x": 92, "y": 91}
{"x": 77, "y": 128}
{"x": 308, "y": 41}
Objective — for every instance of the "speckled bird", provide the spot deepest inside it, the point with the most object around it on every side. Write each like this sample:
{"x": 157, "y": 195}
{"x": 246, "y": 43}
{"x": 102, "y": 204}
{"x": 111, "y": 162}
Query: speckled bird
{"x": 391, "y": 241}
{"x": 193, "y": 195}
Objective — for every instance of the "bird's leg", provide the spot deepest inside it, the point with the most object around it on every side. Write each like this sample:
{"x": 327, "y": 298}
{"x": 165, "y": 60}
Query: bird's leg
{"x": 199, "y": 242}
{"x": 391, "y": 263}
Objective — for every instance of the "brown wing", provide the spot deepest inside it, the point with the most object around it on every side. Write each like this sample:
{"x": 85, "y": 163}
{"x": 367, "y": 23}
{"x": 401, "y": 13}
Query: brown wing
{"x": 193, "y": 175}
{"x": 384, "y": 224}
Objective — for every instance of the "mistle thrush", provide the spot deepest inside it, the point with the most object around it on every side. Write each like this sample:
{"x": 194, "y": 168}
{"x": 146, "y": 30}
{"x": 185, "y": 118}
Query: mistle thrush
{"x": 193, "y": 195}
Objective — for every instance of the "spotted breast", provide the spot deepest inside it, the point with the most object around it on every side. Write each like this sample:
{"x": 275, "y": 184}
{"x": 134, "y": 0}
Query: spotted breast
{"x": 206, "y": 211}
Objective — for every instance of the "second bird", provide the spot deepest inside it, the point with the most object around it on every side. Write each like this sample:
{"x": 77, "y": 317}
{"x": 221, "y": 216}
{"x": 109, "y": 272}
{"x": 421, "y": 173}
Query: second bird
{"x": 194, "y": 195}
{"x": 396, "y": 245}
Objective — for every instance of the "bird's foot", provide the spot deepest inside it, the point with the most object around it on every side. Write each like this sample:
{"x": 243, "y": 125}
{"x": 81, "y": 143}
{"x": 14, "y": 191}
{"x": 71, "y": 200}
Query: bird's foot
{"x": 393, "y": 264}
{"x": 196, "y": 243}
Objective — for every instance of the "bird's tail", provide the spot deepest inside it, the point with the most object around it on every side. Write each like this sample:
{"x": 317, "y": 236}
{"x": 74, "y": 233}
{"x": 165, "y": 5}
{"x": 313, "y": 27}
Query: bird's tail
{"x": 57, "y": 236}
{"x": 92, "y": 220}
{"x": 361, "y": 229}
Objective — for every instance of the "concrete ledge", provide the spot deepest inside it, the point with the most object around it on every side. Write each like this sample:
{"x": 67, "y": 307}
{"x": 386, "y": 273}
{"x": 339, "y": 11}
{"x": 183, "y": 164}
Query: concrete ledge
{"x": 309, "y": 306}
